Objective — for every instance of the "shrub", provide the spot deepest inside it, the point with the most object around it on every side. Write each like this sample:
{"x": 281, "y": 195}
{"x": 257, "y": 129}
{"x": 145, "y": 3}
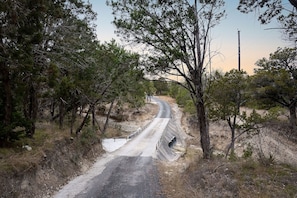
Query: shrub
{"x": 248, "y": 152}
{"x": 88, "y": 137}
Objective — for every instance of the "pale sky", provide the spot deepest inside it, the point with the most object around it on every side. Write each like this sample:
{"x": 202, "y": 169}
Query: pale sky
{"x": 255, "y": 40}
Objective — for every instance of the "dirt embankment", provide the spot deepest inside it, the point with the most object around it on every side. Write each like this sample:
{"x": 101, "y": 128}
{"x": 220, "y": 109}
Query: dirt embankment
{"x": 274, "y": 175}
{"x": 50, "y": 169}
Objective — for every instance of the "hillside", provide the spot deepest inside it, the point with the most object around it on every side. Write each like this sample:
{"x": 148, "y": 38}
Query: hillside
{"x": 265, "y": 165}
{"x": 56, "y": 157}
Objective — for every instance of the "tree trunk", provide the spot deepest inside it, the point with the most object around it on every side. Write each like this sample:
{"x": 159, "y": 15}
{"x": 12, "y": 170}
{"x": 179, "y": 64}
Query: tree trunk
{"x": 196, "y": 75}
{"x": 93, "y": 117}
{"x": 61, "y": 113}
{"x": 73, "y": 116}
{"x": 52, "y": 111}
{"x": 232, "y": 125}
{"x": 85, "y": 119}
{"x": 292, "y": 109}
{"x": 30, "y": 109}
{"x": 7, "y": 103}
{"x": 7, "y": 94}
{"x": 107, "y": 117}
{"x": 204, "y": 130}
{"x": 232, "y": 128}
{"x": 201, "y": 112}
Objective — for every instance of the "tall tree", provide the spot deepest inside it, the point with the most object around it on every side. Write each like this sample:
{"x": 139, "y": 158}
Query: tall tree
{"x": 113, "y": 74}
{"x": 21, "y": 31}
{"x": 233, "y": 86}
{"x": 276, "y": 80}
{"x": 176, "y": 34}
{"x": 29, "y": 34}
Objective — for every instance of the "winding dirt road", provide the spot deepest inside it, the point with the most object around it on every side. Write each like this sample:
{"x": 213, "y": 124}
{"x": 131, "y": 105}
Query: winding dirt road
{"x": 127, "y": 172}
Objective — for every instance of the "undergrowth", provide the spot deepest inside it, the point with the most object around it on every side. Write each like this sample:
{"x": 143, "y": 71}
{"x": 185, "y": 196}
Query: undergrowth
{"x": 27, "y": 153}
{"x": 225, "y": 178}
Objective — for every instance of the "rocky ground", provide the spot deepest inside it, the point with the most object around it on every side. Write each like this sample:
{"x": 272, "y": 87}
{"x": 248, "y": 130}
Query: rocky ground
{"x": 271, "y": 171}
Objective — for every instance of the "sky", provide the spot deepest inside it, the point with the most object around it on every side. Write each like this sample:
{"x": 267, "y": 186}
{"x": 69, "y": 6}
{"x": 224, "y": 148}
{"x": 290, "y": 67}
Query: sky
{"x": 256, "y": 41}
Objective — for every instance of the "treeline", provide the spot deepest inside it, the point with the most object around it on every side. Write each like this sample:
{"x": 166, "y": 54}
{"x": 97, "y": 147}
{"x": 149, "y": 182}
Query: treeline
{"x": 273, "y": 86}
{"x": 51, "y": 66}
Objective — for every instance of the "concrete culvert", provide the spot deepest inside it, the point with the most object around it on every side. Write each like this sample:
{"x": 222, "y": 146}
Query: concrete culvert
{"x": 172, "y": 142}
{"x": 170, "y": 139}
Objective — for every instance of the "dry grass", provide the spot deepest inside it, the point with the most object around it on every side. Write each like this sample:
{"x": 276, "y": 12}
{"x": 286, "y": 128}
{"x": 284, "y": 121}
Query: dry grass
{"x": 16, "y": 158}
{"x": 220, "y": 178}
{"x": 56, "y": 156}
{"x": 194, "y": 177}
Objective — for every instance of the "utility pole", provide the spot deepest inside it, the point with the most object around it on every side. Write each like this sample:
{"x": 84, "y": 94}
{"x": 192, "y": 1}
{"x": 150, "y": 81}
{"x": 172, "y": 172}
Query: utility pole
{"x": 238, "y": 50}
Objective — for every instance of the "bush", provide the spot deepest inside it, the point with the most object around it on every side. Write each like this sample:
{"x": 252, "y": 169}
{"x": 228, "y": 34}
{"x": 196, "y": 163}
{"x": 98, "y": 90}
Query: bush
{"x": 88, "y": 137}
{"x": 190, "y": 107}
{"x": 248, "y": 152}
{"x": 183, "y": 98}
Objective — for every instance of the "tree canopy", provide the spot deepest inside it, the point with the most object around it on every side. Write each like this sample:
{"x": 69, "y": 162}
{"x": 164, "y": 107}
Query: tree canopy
{"x": 51, "y": 65}
{"x": 275, "y": 80}
{"x": 233, "y": 86}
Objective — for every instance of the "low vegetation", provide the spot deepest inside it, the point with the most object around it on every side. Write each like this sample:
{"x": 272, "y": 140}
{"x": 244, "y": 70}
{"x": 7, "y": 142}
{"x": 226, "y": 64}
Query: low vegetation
{"x": 249, "y": 173}
{"x": 223, "y": 178}
{"x": 39, "y": 166}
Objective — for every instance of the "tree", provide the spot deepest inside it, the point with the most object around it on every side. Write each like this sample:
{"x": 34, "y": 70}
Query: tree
{"x": 112, "y": 76}
{"x": 29, "y": 32}
{"x": 176, "y": 36}
{"x": 287, "y": 17}
{"x": 161, "y": 86}
{"x": 51, "y": 65}
{"x": 233, "y": 87}
{"x": 276, "y": 80}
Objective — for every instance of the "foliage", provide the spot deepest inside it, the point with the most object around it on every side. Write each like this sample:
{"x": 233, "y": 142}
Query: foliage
{"x": 161, "y": 86}
{"x": 183, "y": 98}
{"x": 31, "y": 34}
{"x": 274, "y": 112}
{"x": 88, "y": 137}
{"x": 51, "y": 65}
{"x": 248, "y": 151}
{"x": 275, "y": 9}
{"x": 276, "y": 79}
{"x": 149, "y": 87}
{"x": 232, "y": 86}
{"x": 227, "y": 94}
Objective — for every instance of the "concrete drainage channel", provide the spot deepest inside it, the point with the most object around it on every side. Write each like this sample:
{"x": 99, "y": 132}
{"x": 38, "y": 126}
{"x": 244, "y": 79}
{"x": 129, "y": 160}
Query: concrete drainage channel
{"x": 170, "y": 139}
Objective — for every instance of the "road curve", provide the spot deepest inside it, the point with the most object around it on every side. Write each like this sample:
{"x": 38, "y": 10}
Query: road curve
{"x": 127, "y": 172}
